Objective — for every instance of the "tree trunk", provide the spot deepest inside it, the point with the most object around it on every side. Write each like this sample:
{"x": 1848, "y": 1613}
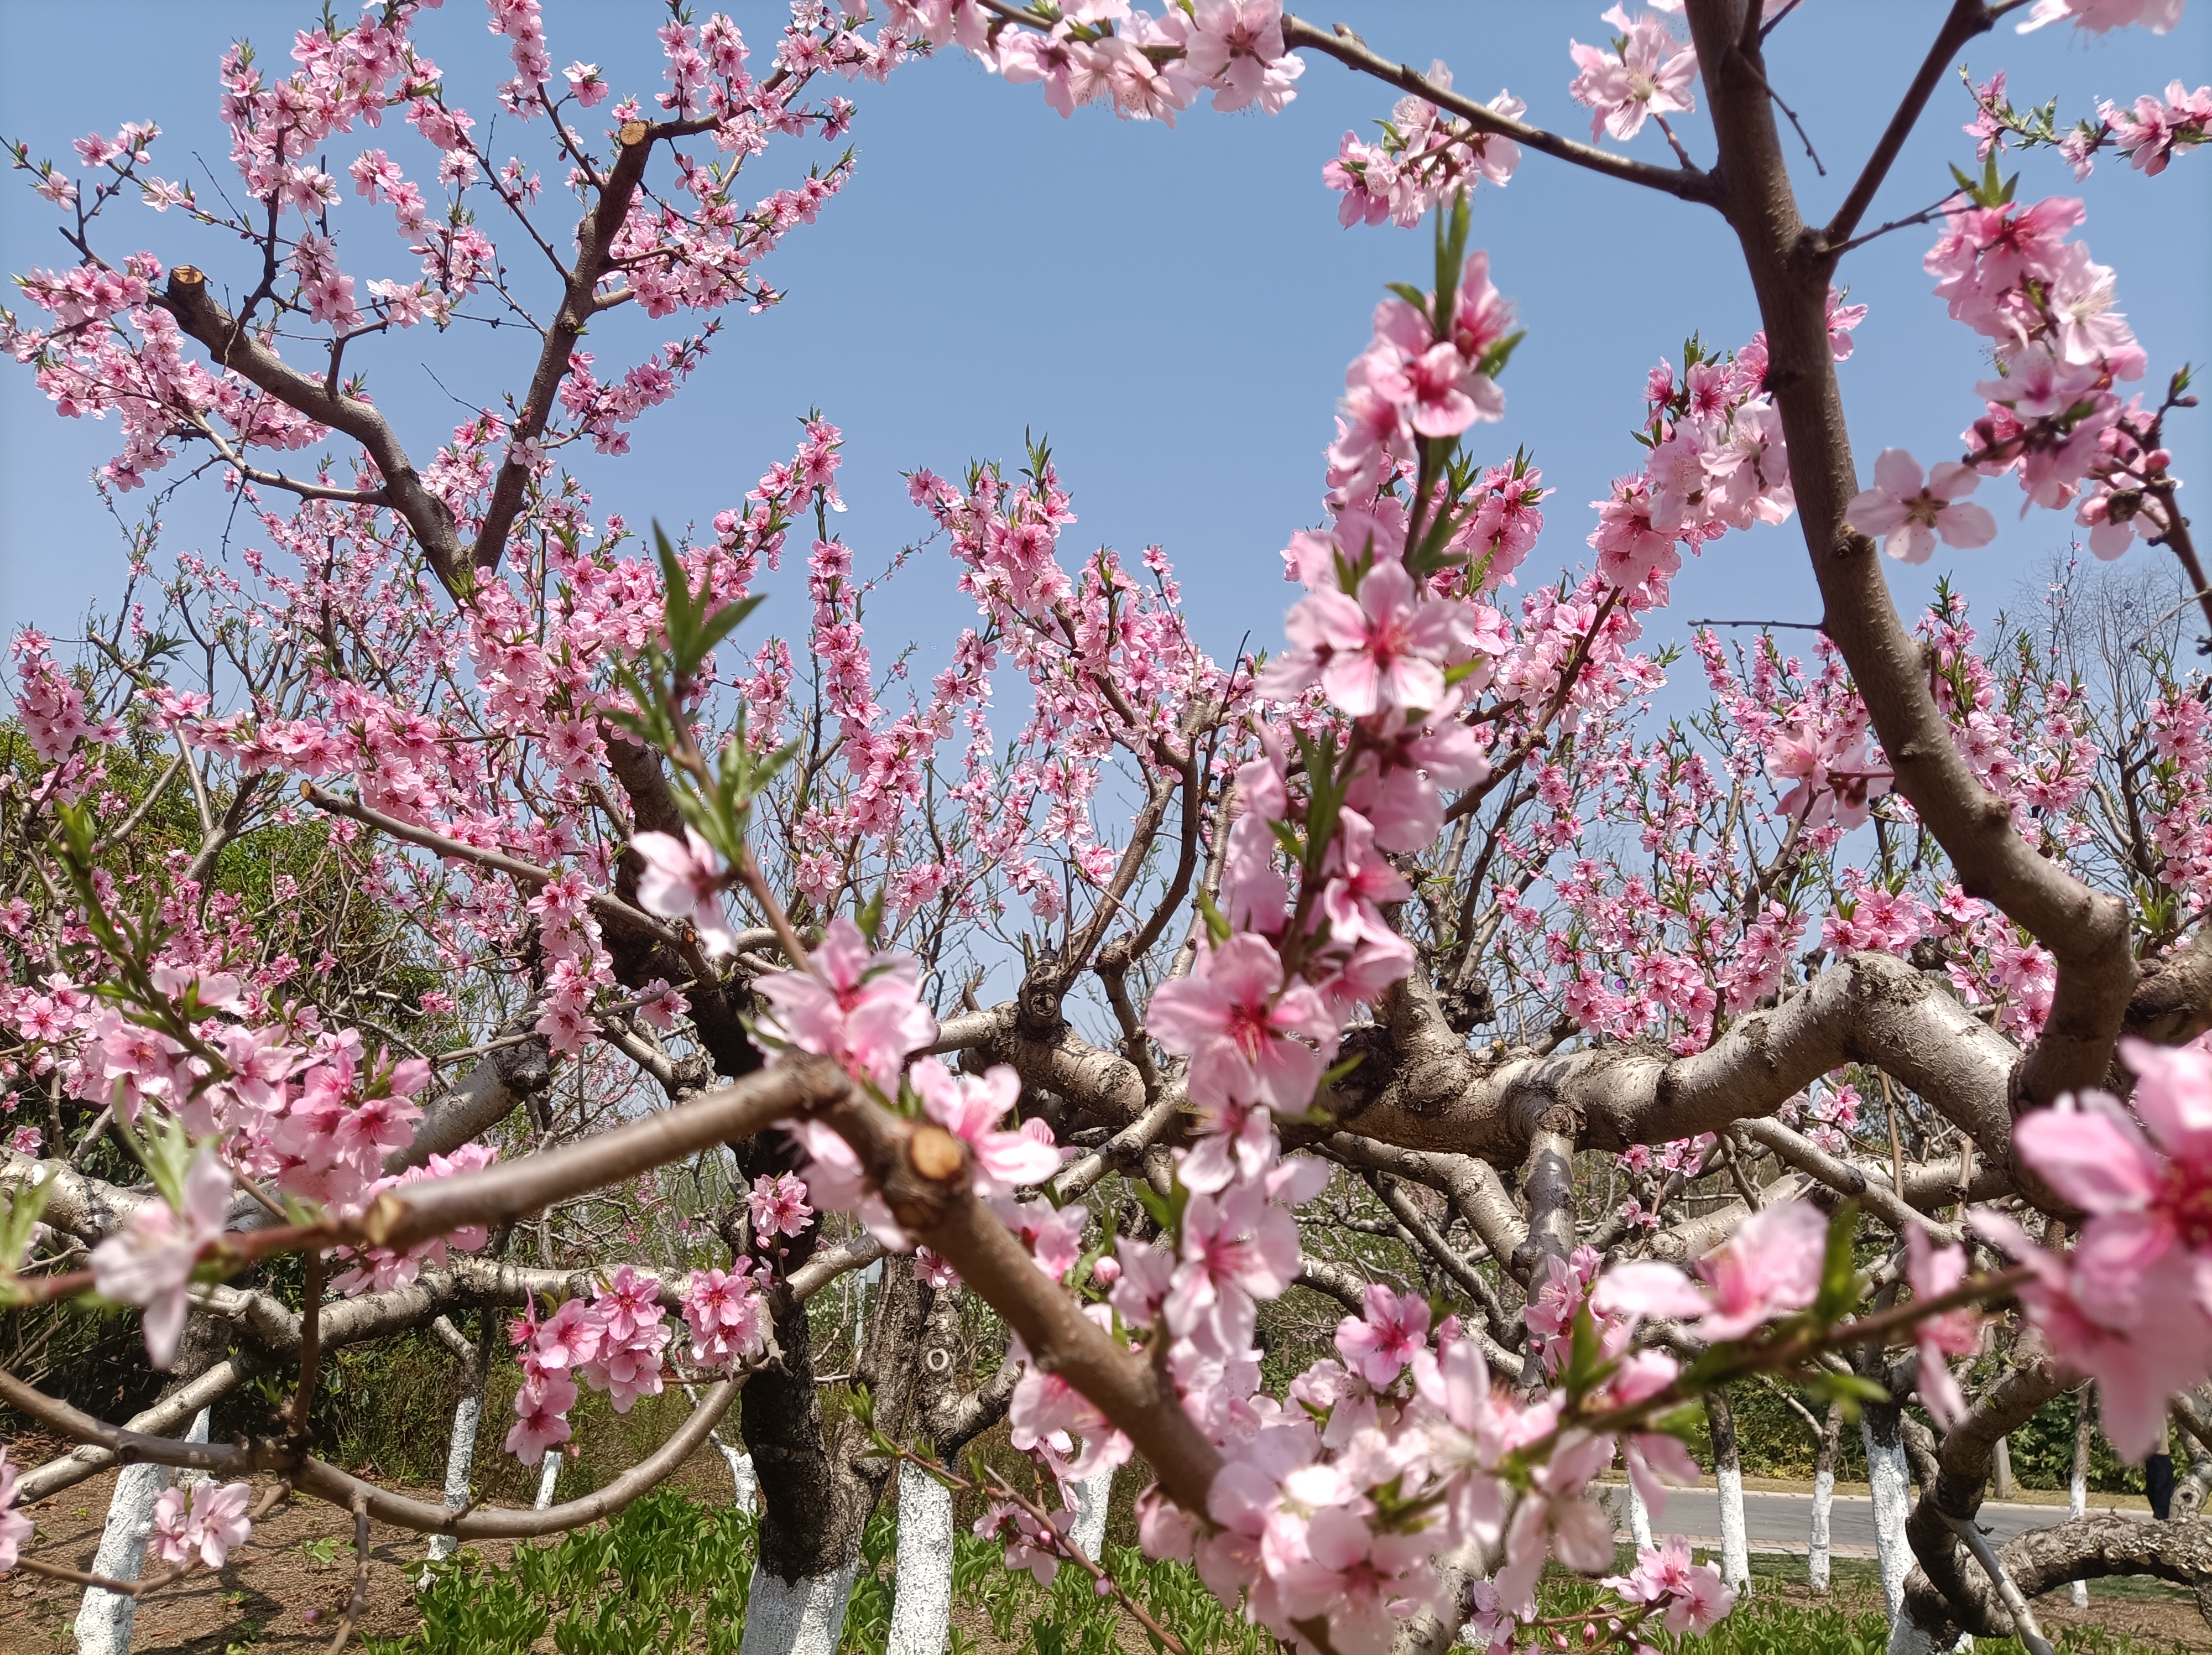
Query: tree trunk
{"x": 468, "y": 1416}
{"x": 1881, "y": 1427}
{"x": 2077, "y": 1485}
{"x": 744, "y": 1486}
{"x": 922, "y": 1611}
{"x": 460, "y": 1462}
{"x": 104, "y": 1618}
{"x": 2004, "y": 1477}
{"x": 945, "y": 1421}
{"x": 819, "y": 1489}
{"x": 1091, "y": 1496}
{"x": 1727, "y": 1478}
{"x": 1824, "y": 1497}
{"x": 1639, "y": 1518}
{"x": 548, "y": 1477}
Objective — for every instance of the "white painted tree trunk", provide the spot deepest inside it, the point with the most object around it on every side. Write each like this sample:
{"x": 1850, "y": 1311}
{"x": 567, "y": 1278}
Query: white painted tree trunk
{"x": 1892, "y": 1484}
{"x": 460, "y": 1462}
{"x": 2077, "y": 1485}
{"x": 1735, "y": 1543}
{"x": 1639, "y": 1518}
{"x": 744, "y": 1482}
{"x": 921, "y": 1609}
{"x": 1816, "y": 1553}
{"x": 104, "y": 1618}
{"x": 1089, "y": 1530}
{"x": 806, "y": 1616}
{"x": 548, "y": 1477}
{"x": 1728, "y": 1479}
{"x": 1906, "y": 1639}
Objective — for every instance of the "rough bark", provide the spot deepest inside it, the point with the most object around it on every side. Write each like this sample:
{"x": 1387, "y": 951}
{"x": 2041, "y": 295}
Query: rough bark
{"x": 1947, "y": 1586}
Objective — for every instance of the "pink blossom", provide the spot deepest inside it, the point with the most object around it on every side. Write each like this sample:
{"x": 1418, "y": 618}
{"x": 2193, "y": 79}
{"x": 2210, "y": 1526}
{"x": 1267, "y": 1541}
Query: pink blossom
{"x": 1385, "y": 648}
{"x": 2101, "y": 16}
{"x": 1363, "y": 1581}
{"x": 1770, "y": 1268}
{"x": 1245, "y": 1031}
{"x": 778, "y": 1206}
{"x": 970, "y": 1107}
{"x": 1688, "y": 1599}
{"x": 205, "y": 1518}
{"x": 150, "y": 1262}
{"x": 1648, "y": 72}
{"x": 1933, "y": 1272}
{"x": 860, "y": 1007}
{"x": 1911, "y": 516}
{"x": 683, "y": 880}
{"x": 1557, "y": 1518}
{"x": 1379, "y": 1343}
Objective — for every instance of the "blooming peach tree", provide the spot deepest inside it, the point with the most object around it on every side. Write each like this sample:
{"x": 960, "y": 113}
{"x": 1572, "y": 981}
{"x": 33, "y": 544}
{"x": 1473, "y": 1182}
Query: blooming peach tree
{"x": 689, "y": 926}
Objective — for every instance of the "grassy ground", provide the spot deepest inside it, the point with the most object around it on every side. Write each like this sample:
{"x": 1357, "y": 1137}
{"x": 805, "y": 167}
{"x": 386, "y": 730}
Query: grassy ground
{"x": 669, "y": 1576}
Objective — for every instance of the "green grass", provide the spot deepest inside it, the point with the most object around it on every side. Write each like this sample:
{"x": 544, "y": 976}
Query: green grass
{"x": 669, "y": 1576}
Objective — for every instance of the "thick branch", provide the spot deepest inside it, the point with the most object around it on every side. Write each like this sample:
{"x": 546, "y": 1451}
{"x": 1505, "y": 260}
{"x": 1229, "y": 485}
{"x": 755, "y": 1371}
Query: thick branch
{"x": 200, "y": 314}
{"x": 517, "y": 1188}
{"x": 1868, "y": 1008}
{"x": 2087, "y": 932}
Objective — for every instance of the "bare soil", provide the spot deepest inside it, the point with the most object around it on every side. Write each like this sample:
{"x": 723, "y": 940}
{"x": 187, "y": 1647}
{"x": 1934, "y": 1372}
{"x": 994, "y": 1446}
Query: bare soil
{"x": 271, "y": 1594}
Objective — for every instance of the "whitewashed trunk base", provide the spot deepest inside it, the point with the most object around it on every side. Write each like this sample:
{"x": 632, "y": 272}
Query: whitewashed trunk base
{"x": 745, "y": 1482}
{"x": 1892, "y": 1485}
{"x": 548, "y": 1478}
{"x": 104, "y": 1619}
{"x": 1639, "y": 1518}
{"x": 1735, "y": 1543}
{"x": 804, "y": 1616}
{"x": 1816, "y": 1551}
{"x": 921, "y": 1610}
{"x": 460, "y": 1462}
{"x": 1091, "y": 1497}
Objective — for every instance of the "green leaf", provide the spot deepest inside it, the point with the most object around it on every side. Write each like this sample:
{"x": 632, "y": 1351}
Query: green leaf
{"x": 871, "y": 917}
{"x": 1839, "y": 1275}
{"x": 1217, "y": 927}
{"x": 723, "y": 622}
{"x": 1337, "y": 1071}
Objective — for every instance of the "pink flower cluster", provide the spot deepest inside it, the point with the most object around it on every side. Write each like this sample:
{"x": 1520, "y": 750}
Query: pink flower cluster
{"x": 1717, "y": 461}
{"x": 1424, "y": 159}
{"x": 1413, "y": 382}
{"x": 2130, "y": 1306}
{"x": 1147, "y": 67}
{"x": 615, "y": 1344}
{"x": 1647, "y": 73}
{"x": 204, "y": 1519}
{"x": 2061, "y": 346}
{"x": 2152, "y": 133}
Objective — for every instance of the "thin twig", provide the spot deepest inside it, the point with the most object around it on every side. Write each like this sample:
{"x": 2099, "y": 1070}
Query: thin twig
{"x": 356, "y": 1605}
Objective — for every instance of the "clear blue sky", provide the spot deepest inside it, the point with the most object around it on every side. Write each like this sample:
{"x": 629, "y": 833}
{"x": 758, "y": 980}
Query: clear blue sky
{"x": 1175, "y": 308}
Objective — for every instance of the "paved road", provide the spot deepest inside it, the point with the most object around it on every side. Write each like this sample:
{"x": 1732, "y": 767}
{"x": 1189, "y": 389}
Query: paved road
{"x": 1779, "y": 1522}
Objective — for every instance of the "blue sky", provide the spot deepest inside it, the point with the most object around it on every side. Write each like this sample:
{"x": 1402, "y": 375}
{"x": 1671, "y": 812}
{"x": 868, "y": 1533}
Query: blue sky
{"x": 1173, "y": 308}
